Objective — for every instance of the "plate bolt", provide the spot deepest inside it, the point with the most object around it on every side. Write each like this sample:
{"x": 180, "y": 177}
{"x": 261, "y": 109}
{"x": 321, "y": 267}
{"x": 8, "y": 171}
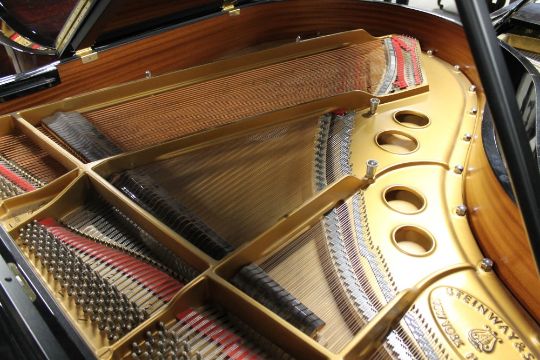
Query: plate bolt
{"x": 472, "y": 88}
{"x": 371, "y": 168}
{"x": 467, "y": 137}
{"x": 461, "y": 210}
{"x": 373, "y": 105}
{"x": 474, "y": 111}
{"x": 457, "y": 68}
{"x": 430, "y": 52}
{"x": 486, "y": 264}
{"x": 458, "y": 169}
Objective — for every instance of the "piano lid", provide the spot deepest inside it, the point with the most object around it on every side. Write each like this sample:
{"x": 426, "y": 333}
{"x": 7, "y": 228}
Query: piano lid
{"x": 61, "y": 27}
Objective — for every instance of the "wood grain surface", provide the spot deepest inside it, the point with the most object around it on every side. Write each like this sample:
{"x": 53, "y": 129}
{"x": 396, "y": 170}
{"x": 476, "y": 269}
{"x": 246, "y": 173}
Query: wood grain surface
{"x": 498, "y": 227}
{"x": 224, "y": 35}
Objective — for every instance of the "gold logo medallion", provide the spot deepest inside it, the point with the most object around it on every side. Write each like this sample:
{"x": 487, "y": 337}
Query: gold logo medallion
{"x": 484, "y": 340}
{"x": 473, "y": 328}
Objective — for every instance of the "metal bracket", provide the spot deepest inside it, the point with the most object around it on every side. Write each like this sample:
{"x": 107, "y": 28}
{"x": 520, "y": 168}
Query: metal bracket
{"x": 87, "y": 55}
{"x": 230, "y": 7}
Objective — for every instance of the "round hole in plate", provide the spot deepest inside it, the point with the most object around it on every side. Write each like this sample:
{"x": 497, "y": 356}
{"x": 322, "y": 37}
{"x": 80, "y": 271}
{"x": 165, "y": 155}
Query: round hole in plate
{"x": 411, "y": 119}
{"x": 413, "y": 240}
{"x": 404, "y": 200}
{"x": 397, "y": 142}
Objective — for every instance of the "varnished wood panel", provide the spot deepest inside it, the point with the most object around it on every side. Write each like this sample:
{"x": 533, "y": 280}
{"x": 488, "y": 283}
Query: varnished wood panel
{"x": 6, "y": 65}
{"x": 136, "y": 12}
{"x": 203, "y": 41}
{"x": 497, "y": 224}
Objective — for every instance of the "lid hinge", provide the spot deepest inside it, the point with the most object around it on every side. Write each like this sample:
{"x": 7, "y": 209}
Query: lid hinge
{"x": 230, "y": 7}
{"x": 87, "y": 55}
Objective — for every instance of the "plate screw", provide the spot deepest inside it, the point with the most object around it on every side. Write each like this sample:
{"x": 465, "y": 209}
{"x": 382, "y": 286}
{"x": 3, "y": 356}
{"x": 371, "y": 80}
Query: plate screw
{"x": 472, "y": 88}
{"x": 457, "y": 68}
{"x": 373, "y": 105}
{"x": 486, "y": 264}
{"x": 458, "y": 169}
{"x": 430, "y": 52}
{"x": 461, "y": 210}
{"x": 467, "y": 137}
{"x": 474, "y": 111}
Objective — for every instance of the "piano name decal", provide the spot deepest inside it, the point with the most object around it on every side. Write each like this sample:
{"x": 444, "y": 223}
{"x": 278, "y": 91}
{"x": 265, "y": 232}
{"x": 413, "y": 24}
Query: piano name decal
{"x": 473, "y": 328}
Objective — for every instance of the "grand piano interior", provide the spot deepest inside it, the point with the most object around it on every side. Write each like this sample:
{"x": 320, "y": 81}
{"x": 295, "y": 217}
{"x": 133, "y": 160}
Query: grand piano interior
{"x": 310, "y": 197}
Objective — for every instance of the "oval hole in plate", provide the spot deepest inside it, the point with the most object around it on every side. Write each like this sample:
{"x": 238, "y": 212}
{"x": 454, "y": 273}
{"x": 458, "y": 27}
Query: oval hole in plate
{"x": 397, "y": 142}
{"x": 411, "y": 119}
{"x": 404, "y": 200}
{"x": 413, "y": 240}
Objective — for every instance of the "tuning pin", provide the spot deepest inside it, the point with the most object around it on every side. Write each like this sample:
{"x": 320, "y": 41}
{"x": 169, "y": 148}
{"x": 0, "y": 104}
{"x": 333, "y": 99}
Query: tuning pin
{"x": 135, "y": 348}
{"x": 149, "y": 337}
{"x": 161, "y": 345}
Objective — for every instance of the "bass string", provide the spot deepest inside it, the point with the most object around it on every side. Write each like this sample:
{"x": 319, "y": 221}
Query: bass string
{"x": 19, "y": 149}
{"x": 243, "y": 186}
{"x": 98, "y": 221}
{"x": 134, "y": 291}
{"x": 179, "y": 112}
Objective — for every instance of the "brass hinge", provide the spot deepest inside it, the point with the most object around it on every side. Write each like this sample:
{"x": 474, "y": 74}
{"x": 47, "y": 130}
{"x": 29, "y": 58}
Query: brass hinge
{"x": 87, "y": 55}
{"x": 229, "y": 6}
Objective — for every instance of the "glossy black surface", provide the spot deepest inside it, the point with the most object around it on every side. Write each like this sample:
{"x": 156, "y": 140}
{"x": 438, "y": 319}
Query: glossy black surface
{"x": 29, "y": 82}
{"x": 39, "y": 328}
{"x": 518, "y": 66}
{"x": 37, "y": 20}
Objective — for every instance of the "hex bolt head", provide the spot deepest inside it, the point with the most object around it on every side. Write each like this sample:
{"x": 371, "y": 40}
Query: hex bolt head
{"x": 461, "y": 210}
{"x": 486, "y": 264}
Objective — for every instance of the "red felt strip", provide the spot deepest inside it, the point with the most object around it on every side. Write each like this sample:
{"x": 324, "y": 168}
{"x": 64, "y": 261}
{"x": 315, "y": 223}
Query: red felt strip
{"x": 404, "y": 45}
{"x": 151, "y": 278}
{"x": 231, "y": 347}
{"x": 184, "y": 314}
{"x": 400, "y": 81}
{"x": 16, "y": 179}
